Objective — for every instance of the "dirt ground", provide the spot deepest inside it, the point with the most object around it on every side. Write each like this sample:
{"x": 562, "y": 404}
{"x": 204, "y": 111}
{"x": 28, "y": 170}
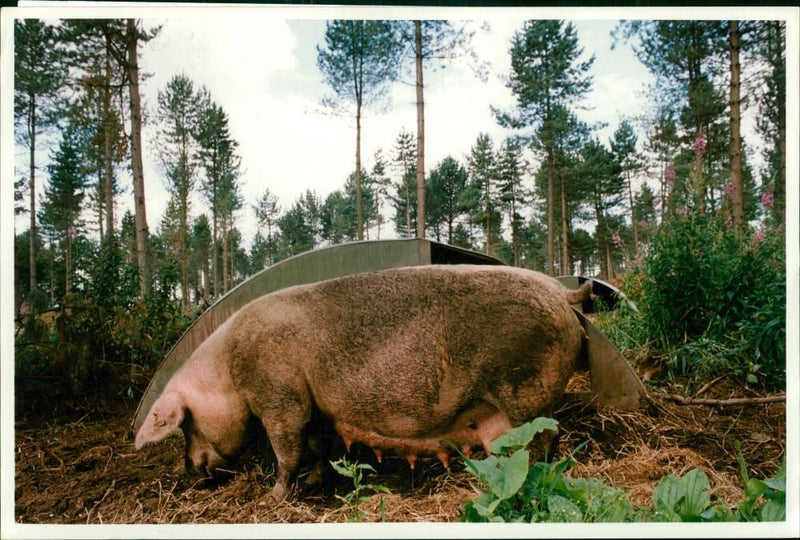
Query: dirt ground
{"x": 83, "y": 468}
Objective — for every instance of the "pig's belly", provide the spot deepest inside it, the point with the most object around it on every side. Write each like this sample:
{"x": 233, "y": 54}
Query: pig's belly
{"x": 475, "y": 427}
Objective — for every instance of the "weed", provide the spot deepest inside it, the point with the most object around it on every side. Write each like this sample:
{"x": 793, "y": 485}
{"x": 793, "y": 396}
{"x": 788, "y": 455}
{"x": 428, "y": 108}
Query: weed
{"x": 355, "y": 471}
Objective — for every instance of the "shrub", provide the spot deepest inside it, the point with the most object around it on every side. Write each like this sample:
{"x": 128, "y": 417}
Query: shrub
{"x": 710, "y": 301}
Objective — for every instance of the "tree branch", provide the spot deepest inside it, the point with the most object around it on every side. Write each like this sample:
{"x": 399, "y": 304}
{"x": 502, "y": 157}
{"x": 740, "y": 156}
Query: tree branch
{"x": 723, "y": 402}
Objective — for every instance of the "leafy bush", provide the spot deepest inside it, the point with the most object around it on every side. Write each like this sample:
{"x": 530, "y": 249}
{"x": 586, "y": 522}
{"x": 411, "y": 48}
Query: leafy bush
{"x": 710, "y": 301}
{"x": 103, "y": 340}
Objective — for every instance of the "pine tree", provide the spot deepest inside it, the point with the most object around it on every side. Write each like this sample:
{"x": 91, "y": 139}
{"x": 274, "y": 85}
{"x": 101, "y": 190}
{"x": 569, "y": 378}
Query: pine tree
{"x": 432, "y": 40}
{"x": 546, "y": 74}
{"x": 379, "y": 184}
{"x": 267, "y": 211}
{"x": 600, "y": 173}
{"x": 682, "y": 55}
{"x": 483, "y": 190}
{"x": 360, "y": 58}
{"x": 405, "y": 202}
{"x": 39, "y": 76}
{"x": 448, "y": 180}
{"x": 64, "y": 195}
{"x": 623, "y": 145}
{"x": 510, "y": 170}
{"x": 178, "y": 116}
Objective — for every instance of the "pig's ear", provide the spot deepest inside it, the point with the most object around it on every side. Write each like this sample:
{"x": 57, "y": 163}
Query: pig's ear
{"x": 164, "y": 419}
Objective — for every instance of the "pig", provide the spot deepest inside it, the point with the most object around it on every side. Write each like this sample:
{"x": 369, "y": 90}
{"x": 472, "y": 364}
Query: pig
{"x": 409, "y": 360}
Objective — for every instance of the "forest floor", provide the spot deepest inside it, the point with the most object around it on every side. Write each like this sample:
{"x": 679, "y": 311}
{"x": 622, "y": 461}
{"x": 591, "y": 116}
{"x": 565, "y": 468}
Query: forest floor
{"x": 83, "y": 468}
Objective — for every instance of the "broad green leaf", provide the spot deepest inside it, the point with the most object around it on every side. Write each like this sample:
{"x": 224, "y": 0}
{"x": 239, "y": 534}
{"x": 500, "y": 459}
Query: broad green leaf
{"x": 696, "y": 493}
{"x": 562, "y": 510}
{"x": 515, "y": 470}
{"x": 667, "y": 493}
{"x": 519, "y": 437}
{"x": 774, "y": 510}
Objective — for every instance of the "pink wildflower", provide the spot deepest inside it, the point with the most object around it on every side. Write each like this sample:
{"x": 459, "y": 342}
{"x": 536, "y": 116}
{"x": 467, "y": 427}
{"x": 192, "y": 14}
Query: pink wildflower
{"x": 768, "y": 199}
{"x": 729, "y": 222}
{"x": 71, "y": 231}
{"x": 700, "y": 144}
{"x": 759, "y": 236}
{"x": 730, "y": 190}
{"x": 670, "y": 175}
{"x": 618, "y": 241}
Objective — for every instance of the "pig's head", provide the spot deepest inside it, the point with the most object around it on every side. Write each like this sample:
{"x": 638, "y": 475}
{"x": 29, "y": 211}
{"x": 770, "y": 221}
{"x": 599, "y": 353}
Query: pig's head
{"x": 201, "y": 401}
{"x": 214, "y": 436}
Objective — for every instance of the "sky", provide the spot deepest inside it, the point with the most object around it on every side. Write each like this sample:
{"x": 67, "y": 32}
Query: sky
{"x": 259, "y": 64}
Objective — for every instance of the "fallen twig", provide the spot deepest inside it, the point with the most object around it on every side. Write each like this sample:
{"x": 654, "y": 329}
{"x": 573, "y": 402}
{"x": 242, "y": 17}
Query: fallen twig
{"x": 709, "y": 385}
{"x": 723, "y": 402}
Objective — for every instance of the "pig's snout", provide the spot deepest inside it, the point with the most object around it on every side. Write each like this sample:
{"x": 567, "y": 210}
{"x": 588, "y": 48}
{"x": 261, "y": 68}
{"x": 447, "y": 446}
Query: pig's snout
{"x": 203, "y": 462}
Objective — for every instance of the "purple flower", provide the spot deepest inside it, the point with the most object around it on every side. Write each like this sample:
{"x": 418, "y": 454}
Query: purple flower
{"x": 699, "y": 143}
{"x": 670, "y": 175}
{"x": 759, "y": 236}
{"x": 730, "y": 190}
{"x": 768, "y": 199}
{"x": 618, "y": 241}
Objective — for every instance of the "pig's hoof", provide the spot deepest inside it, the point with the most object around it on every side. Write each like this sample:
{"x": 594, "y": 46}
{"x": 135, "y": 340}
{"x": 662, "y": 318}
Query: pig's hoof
{"x": 279, "y": 493}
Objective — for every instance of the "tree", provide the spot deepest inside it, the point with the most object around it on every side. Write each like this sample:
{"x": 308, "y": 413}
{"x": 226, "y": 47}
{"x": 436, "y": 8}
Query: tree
{"x": 623, "y": 145}
{"x": 405, "y": 203}
{"x": 600, "y": 173}
{"x": 216, "y": 152}
{"x": 736, "y": 131}
{"x": 94, "y": 49}
{"x": 64, "y": 194}
{"x": 132, "y": 38}
{"x": 39, "y": 76}
{"x": 545, "y": 74}
{"x": 267, "y": 211}
{"x": 448, "y": 180}
{"x": 178, "y": 116}
{"x": 428, "y": 40}
{"x": 483, "y": 190}
{"x": 510, "y": 170}
{"x": 772, "y": 117}
{"x": 379, "y": 185}
{"x": 199, "y": 244}
{"x": 299, "y": 225}
{"x": 681, "y": 54}
{"x": 360, "y": 58}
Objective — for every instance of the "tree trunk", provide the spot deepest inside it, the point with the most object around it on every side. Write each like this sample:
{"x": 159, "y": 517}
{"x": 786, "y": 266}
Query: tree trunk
{"x": 550, "y": 214}
{"x": 736, "y": 136}
{"x": 224, "y": 256}
{"x": 32, "y": 239}
{"x": 137, "y": 169}
{"x": 107, "y": 146}
{"x": 634, "y": 225}
{"x": 565, "y": 266}
{"x": 359, "y": 209}
{"x": 779, "y": 191}
{"x": 420, "y": 134}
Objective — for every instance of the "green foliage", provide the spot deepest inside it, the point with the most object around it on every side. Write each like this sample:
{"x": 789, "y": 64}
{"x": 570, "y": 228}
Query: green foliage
{"x": 710, "y": 301}
{"x": 516, "y": 491}
{"x": 103, "y": 340}
{"x": 764, "y": 500}
{"x": 687, "y": 499}
{"x": 355, "y": 471}
{"x": 519, "y": 492}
